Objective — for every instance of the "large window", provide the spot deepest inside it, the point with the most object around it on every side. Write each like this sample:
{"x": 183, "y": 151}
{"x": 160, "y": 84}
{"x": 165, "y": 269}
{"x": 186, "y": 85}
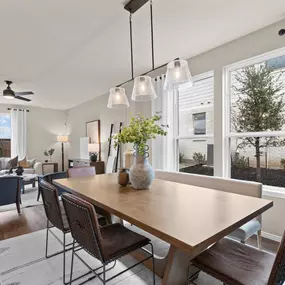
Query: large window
{"x": 195, "y": 126}
{"x": 256, "y": 115}
{"x": 5, "y": 135}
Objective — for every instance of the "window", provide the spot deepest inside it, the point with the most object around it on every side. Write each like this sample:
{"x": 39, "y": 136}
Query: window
{"x": 195, "y": 126}
{"x": 199, "y": 121}
{"x": 256, "y": 115}
{"x": 5, "y": 135}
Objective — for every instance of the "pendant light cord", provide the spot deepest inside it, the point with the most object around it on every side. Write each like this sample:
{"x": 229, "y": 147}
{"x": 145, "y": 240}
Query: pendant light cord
{"x": 131, "y": 44}
{"x": 151, "y": 32}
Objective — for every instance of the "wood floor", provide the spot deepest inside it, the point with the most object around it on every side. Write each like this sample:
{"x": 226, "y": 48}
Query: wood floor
{"x": 34, "y": 219}
{"x": 31, "y": 219}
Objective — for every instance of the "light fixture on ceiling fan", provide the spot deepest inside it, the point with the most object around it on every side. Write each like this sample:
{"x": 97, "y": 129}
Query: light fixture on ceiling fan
{"x": 8, "y": 93}
{"x": 177, "y": 71}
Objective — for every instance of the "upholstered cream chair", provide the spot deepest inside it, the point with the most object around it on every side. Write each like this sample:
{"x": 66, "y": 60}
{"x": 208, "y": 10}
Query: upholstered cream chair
{"x": 241, "y": 187}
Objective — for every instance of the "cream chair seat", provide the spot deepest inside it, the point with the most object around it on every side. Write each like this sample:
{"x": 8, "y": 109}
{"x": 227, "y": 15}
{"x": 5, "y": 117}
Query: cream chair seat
{"x": 247, "y": 188}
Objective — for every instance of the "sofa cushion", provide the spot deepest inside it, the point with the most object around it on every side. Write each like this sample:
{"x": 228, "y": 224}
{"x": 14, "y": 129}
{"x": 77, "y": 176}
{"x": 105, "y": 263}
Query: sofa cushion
{"x": 23, "y": 163}
{"x": 31, "y": 162}
{"x": 29, "y": 171}
{"x": 13, "y": 162}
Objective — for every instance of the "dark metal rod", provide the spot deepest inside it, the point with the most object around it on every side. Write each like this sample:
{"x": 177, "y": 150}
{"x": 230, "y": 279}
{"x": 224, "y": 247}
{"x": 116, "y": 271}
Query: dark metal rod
{"x": 131, "y": 44}
{"x": 151, "y": 33}
{"x": 17, "y": 109}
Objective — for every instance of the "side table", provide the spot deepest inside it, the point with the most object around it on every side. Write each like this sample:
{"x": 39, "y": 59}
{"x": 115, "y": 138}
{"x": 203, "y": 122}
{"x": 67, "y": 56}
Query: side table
{"x": 47, "y": 165}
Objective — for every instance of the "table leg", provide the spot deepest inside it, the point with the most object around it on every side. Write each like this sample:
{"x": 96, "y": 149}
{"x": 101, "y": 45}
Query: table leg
{"x": 23, "y": 188}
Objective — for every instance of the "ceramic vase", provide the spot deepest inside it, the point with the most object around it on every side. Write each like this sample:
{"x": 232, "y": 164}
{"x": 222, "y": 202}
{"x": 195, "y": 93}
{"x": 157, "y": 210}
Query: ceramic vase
{"x": 141, "y": 173}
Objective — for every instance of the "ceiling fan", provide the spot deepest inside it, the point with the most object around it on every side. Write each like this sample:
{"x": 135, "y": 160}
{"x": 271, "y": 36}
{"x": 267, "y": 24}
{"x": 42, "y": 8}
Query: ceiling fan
{"x": 10, "y": 94}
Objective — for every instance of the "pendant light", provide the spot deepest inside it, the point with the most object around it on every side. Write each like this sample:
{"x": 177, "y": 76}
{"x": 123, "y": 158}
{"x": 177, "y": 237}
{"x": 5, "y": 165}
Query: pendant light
{"x": 177, "y": 73}
{"x": 143, "y": 89}
{"x": 118, "y": 98}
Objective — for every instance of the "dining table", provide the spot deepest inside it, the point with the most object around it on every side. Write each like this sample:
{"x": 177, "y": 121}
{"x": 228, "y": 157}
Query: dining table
{"x": 189, "y": 218}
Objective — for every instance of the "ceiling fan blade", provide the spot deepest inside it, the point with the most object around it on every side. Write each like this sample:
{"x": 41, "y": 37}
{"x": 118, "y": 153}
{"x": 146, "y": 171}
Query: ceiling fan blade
{"x": 24, "y": 93}
{"x": 22, "y": 98}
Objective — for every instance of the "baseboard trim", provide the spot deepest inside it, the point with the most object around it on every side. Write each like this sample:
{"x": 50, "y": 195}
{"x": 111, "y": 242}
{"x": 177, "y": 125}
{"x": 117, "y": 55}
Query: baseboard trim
{"x": 271, "y": 236}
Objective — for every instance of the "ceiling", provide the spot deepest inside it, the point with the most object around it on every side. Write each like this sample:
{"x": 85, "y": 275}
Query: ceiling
{"x": 70, "y": 51}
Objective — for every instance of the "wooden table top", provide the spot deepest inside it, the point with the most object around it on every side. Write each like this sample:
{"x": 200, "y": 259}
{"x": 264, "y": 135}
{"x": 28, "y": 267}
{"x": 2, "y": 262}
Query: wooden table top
{"x": 185, "y": 216}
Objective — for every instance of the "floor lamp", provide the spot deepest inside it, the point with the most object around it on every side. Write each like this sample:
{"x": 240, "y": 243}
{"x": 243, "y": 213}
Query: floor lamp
{"x": 62, "y": 139}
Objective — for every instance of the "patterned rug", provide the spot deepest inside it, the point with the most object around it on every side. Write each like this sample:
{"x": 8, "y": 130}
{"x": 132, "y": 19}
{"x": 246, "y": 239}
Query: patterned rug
{"x": 29, "y": 199}
{"x": 22, "y": 262}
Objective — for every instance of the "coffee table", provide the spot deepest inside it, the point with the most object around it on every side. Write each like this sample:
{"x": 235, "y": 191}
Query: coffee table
{"x": 27, "y": 180}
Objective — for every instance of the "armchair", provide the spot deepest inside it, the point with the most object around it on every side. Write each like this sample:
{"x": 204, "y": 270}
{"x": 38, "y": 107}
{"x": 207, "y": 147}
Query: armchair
{"x": 10, "y": 191}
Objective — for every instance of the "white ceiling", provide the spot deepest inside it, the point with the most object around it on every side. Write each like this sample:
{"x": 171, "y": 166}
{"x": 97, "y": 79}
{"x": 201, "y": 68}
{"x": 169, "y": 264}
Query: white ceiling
{"x": 70, "y": 51}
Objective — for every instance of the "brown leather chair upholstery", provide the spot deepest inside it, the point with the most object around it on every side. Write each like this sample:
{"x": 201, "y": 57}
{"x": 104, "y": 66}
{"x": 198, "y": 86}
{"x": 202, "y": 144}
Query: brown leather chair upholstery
{"x": 56, "y": 217}
{"x": 106, "y": 244}
{"x": 81, "y": 171}
{"x": 236, "y": 264}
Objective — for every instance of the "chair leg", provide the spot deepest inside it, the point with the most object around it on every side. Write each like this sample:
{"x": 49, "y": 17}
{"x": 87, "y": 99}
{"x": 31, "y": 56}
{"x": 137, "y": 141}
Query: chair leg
{"x": 39, "y": 193}
{"x": 259, "y": 240}
{"x": 47, "y": 240}
{"x": 153, "y": 264}
{"x": 64, "y": 251}
{"x": 18, "y": 207}
{"x": 72, "y": 260}
{"x": 104, "y": 274}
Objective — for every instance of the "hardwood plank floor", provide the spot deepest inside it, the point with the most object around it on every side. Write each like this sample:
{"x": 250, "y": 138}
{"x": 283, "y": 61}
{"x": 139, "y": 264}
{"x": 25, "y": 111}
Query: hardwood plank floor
{"x": 31, "y": 219}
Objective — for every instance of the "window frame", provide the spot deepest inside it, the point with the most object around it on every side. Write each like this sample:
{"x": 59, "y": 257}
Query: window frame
{"x": 177, "y": 136}
{"x": 228, "y": 134}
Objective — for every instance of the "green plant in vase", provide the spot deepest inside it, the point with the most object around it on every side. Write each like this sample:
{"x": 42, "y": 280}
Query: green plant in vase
{"x": 49, "y": 153}
{"x": 140, "y": 130}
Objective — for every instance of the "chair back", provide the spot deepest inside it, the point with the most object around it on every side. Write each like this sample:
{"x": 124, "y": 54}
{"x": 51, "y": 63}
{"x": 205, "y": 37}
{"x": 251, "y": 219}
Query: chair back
{"x": 51, "y": 204}
{"x": 83, "y": 224}
{"x": 10, "y": 190}
{"x": 81, "y": 171}
{"x": 277, "y": 275}
{"x": 58, "y": 175}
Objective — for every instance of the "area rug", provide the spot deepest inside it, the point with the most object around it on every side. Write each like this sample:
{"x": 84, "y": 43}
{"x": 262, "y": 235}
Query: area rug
{"x": 29, "y": 199}
{"x": 22, "y": 262}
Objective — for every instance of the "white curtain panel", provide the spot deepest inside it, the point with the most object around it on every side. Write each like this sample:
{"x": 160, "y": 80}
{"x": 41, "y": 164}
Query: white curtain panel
{"x": 163, "y": 148}
{"x": 19, "y": 133}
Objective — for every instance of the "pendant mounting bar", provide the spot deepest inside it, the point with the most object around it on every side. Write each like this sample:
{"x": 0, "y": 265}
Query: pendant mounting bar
{"x": 135, "y": 5}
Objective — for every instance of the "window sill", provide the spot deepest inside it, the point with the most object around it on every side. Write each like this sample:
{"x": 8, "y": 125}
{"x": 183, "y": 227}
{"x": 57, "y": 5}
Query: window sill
{"x": 271, "y": 191}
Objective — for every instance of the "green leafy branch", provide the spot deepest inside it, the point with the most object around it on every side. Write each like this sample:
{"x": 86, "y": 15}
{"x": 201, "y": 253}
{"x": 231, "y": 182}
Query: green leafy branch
{"x": 139, "y": 131}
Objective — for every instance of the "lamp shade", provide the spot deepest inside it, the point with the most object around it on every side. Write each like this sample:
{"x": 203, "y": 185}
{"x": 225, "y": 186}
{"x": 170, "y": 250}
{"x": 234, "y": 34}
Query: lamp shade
{"x": 62, "y": 138}
{"x": 93, "y": 147}
{"x": 118, "y": 98}
{"x": 143, "y": 89}
{"x": 177, "y": 73}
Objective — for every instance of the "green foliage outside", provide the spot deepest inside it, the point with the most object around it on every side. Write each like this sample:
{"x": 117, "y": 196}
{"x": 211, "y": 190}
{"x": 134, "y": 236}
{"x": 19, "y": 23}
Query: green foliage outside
{"x": 1, "y": 151}
{"x": 240, "y": 161}
{"x": 282, "y": 162}
{"x": 199, "y": 158}
{"x": 260, "y": 107}
{"x": 139, "y": 131}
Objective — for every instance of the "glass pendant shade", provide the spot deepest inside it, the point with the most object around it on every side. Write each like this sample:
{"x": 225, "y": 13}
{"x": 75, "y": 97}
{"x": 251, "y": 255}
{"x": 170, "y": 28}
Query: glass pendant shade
{"x": 118, "y": 98}
{"x": 143, "y": 89}
{"x": 177, "y": 73}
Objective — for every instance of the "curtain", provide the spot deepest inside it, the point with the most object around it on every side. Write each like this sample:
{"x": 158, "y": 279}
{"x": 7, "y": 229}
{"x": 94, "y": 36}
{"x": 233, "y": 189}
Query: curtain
{"x": 163, "y": 148}
{"x": 19, "y": 133}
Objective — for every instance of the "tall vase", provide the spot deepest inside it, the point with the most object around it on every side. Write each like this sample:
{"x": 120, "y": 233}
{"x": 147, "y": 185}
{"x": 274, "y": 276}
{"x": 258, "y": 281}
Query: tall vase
{"x": 141, "y": 173}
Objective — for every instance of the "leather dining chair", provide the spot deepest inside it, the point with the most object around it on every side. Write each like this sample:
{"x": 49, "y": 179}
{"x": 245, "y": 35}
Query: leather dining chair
{"x": 56, "y": 217}
{"x": 81, "y": 171}
{"x": 88, "y": 171}
{"x": 234, "y": 263}
{"x": 106, "y": 244}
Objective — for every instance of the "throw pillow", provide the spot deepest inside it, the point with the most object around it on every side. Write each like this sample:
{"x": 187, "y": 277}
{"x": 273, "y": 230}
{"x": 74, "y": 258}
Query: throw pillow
{"x": 31, "y": 162}
{"x": 12, "y": 163}
{"x": 23, "y": 163}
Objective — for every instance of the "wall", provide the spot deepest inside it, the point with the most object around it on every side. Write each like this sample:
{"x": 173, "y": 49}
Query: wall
{"x": 43, "y": 126}
{"x": 96, "y": 109}
{"x": 248, "y": 46}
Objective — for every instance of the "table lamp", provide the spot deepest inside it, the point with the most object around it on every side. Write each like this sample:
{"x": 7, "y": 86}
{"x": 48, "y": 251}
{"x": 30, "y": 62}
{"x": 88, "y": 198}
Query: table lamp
{"x": 62, "y": 139}
{"x": 93, "y": 149}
